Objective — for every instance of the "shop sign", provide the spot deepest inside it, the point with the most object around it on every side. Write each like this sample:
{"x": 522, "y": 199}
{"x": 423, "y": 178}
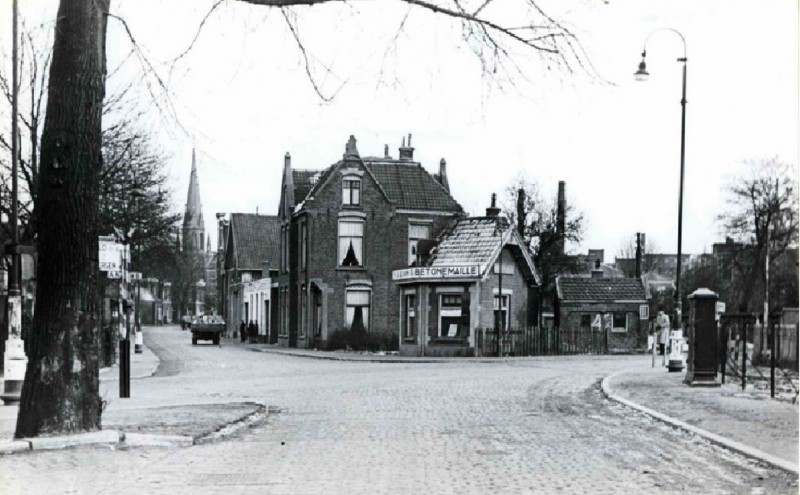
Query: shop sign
{"x": 436, "y": 272}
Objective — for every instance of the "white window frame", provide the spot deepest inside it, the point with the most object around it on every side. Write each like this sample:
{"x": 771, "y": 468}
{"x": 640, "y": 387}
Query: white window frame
{"x": 409, "y": 330}
{"x": 449, "y": 313}
{"x": 619, "y": 329}
{"x": 413, "y": 240}
{"x": 506, "y": 301}
{"x": 347, "y": 192}
{"x": 367, "y": 320}
{"x": 341, "y": 255}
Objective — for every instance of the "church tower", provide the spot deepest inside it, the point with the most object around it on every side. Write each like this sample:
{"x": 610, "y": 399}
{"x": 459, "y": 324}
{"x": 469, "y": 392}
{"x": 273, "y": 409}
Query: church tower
{"x": 193, "y": 227}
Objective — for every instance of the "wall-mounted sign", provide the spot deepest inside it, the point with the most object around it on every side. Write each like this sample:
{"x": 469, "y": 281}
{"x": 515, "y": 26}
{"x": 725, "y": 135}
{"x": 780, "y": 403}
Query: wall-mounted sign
{"x": 437, "y": 272}
{"x": 109, "y": 254}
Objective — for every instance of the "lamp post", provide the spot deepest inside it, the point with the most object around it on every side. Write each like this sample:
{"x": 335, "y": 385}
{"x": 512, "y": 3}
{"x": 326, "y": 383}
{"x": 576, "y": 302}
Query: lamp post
{"x": 14, "y": 359}
{"x": 642, "y": 75}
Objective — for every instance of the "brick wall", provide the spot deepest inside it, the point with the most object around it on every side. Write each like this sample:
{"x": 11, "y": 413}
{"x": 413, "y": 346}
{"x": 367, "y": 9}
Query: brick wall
{"x": 633, "y": 340}
{"x": 518, "y": 312}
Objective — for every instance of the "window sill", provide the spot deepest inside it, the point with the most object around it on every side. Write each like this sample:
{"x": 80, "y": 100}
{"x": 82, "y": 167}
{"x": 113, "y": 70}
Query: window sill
{"x": 410, "y": 340}
{"x": 449, "y": 341}
{"x": 351, "y": 268}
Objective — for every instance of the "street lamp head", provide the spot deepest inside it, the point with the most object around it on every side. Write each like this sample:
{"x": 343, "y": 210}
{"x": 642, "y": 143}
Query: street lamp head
{"x": 641, "y": 74}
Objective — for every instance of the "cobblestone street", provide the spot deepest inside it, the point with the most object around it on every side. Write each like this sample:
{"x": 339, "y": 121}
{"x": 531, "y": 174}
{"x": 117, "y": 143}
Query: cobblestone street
{"x": 533, "y": 425}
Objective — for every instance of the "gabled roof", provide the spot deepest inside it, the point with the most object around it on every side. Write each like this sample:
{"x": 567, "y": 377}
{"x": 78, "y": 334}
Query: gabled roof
{"x": 600, "y": 289}
{"x": 478, "y": 241}
{"x": 255, "y": 240}
{"x": 404, "y": 183}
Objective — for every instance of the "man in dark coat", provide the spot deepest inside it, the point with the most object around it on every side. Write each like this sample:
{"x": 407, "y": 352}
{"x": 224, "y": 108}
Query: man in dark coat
{"x": 251, "y": 330}
{"x": 242, "y": 331}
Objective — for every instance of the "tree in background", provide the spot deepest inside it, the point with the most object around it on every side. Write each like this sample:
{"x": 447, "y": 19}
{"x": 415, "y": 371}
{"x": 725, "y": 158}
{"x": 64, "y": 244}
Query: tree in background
{"x": 61, "y": 393}
{"x": 762, "y": 199}
{"x": 538, "y": 220}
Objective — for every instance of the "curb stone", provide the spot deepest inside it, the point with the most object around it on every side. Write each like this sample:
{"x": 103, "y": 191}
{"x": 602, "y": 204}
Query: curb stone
{"x": 123, "y": 439}
{"x": 729, "y": 444}
{"x": 236, "y": 426}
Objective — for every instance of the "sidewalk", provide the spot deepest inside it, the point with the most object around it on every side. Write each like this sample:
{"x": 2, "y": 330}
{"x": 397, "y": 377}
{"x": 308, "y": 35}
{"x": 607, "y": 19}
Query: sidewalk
{"x": 748, "y": 421}
{"x": 137, "y": 422}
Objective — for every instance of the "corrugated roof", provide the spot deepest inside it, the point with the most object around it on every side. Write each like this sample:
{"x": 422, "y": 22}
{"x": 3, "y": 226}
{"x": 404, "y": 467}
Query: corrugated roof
{"x": 257, "y": 238}
{"x": 600, "y": 289}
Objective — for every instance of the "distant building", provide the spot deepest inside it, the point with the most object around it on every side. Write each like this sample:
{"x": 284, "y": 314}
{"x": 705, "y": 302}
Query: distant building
{"x": 195, "y": 243}
{"x": 250, "y": 259}
{"x": 615, "y": 308}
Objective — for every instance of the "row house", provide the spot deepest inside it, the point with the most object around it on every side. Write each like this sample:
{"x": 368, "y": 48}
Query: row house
{"x": 343, "y": 230}
{"x": 247, "y": 280}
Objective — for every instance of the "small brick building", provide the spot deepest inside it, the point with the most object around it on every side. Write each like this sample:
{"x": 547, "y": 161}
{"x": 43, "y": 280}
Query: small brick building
{"x": 478, "y": 275}
{"x": 618, "y": 308}
{"x": 344, "y": 229}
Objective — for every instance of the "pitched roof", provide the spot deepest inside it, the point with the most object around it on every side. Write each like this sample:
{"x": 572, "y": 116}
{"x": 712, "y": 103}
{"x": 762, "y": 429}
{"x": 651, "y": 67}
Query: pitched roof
{"x": 304, "y": 181}
{"x": 256, "y": 239}
{"x": 406, "y": 184}
{"x": 477, "y": 241}
{"x": 409, "y": 185}
{"x": 572, "y": 288}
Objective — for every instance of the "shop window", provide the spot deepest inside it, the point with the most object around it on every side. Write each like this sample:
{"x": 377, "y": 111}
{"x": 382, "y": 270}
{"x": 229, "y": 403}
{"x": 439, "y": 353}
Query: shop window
{"x": 449, "y": 314}
{"x": 357, "y": 309}
{"x": 620, "y": 322}
{"x": 501, "y": 311}
{"x": 416, "y": 232}
{"x": 409, "y": 316}
{"x": 351, "y": 191}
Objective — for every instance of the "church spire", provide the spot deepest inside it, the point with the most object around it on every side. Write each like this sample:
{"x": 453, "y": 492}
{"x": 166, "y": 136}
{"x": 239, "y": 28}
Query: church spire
{"x": 193, "y": 226}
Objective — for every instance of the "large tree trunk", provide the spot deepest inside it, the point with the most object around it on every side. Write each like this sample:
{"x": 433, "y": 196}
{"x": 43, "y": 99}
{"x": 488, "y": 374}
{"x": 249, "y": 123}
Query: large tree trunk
{"x": 61, "y": 390}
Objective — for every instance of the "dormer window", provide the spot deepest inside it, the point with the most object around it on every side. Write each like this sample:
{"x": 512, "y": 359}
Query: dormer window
{"x": 351, "y": 190}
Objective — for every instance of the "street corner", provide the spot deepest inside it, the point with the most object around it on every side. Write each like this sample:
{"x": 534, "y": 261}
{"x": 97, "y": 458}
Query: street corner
{"x": 14, "y": 446}
{"x": 102, "y": 437}
{"x": 184, "y": 425}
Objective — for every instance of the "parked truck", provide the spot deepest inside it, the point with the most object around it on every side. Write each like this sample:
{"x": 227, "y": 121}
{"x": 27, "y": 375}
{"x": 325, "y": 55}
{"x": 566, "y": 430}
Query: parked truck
{"x": 207, "y": 328}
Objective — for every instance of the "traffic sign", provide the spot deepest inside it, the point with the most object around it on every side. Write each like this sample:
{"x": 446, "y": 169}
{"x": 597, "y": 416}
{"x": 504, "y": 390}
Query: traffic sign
{"x": 134, "y": 275}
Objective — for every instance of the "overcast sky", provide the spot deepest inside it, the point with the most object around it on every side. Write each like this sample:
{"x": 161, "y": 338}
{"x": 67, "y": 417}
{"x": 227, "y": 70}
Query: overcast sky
{"x": 241, "y": 97}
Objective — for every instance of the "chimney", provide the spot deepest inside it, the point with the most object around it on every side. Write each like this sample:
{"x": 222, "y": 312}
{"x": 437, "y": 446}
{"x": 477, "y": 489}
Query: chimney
{"x": 220, "y": 232}
{"x": 350, "y": 149}
{"x": 638, "y": 255}
{"x": 561, "y": 215}
{"x": 406, "y": 152}
{"x": 521, "y": 220}
{"x": 287, "y": 161}
{"x": 443, "y": 175}
{"x": 386, "y": 151}
{"x": 597, "y": 272}
{"x": 493, "y": 210}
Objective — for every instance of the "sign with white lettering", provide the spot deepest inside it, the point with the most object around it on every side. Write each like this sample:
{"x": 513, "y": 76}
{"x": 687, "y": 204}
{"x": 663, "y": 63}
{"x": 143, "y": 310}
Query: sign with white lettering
{"x": 114, "y": 273}
{"x": 437, "y": 272}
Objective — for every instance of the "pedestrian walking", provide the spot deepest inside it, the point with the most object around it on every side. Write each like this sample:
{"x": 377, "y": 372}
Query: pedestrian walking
{"x": 255, "y": 331}
{"x": 251, "y": 329}
{"x": 242, "y": 330}
{"x": 662, "y": 331}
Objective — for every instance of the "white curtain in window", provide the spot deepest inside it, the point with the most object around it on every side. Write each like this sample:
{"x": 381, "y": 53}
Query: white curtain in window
{"x": 350, "y": 234}
{"x": 419, "y": 231}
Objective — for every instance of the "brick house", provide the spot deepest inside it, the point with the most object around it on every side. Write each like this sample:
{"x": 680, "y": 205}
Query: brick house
{"x": 251, "y": 253}
{"x": 344, "y": 229}
{"x": 617, "y": 307}
{"x": 478, "y": 275}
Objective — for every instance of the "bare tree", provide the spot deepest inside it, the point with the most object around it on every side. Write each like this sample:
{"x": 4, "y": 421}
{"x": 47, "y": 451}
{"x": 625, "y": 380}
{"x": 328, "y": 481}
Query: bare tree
{"x": 762, "y": 217}
{"x": 61, "y": 385}
{"x": 539, "y": 220}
